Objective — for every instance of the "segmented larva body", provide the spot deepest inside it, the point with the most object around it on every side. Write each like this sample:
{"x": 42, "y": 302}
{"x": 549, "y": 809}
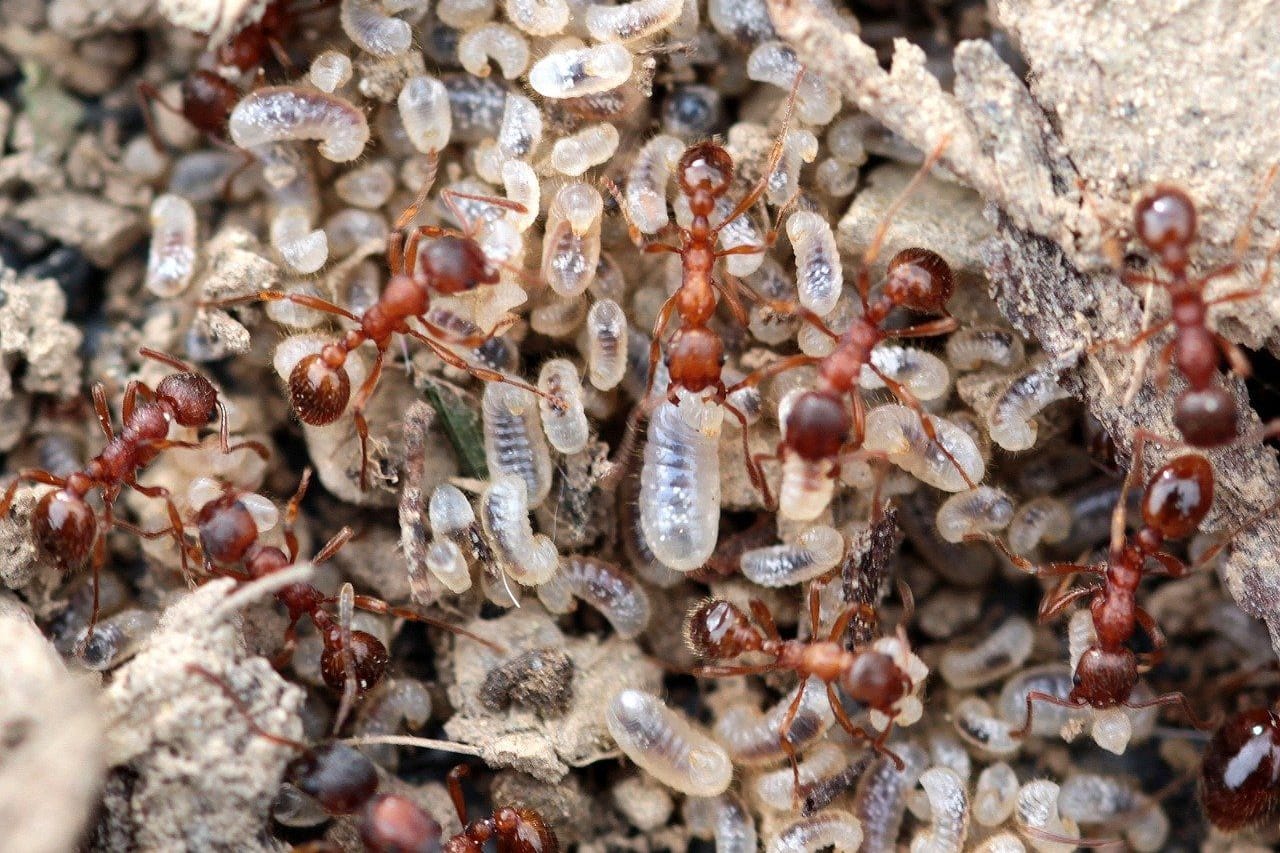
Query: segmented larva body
{"x": 1011, "y": 418}
{"x": 450, "y": 513}
{"x": 996, "y": 794}
{"x": 978, "y": 725}
{"x": 581, "y": 71}
{"x": 373, "y": 30}
{"x": 833, "y": 828}
{"x": 499, "y": 42}
{"x": 610, "y": 590}
{"x": 537, "y": 17}
{"x": 972, "y": 346}
{"x": 667, "y": 746}
{"x": 303, "y": 248}
{"x": 738, "y": 232}
{"x": 114, "y": 638}
{"x": 819, "y": 276}
{"x": 680, "y": 487}
{"x": 1037, "y": 809}
{"x": 1042, "y": 519}
{"x": 983, "y": 509}
{"x": 816, "y": 551}
{"x": 823, "y": 762}
{"x": 574, "y": 154}
{"x": 522, "y": 186}
{"x": 1000, "y": 653}
{"x": 753, "y": 738}
{"x": 1089, "y": 798}
{"x": 798, "y": 147}
{"x": 521, "y": 128}
{"x": 171, "y": 260}
{"x": 724, "y": 818}
{"x": 630, "y": 21}
{"x": 284, "y": 114}
{"x": 514, "y": 442}
{"x": 880, "y": 800}
{"x": 566, "y": 428}
{"x": 330, "y": 71}
{"x": 806, "y": 488}
{"x": 948, "y": 813}
{"x": 447, "y": 564}
{"x": 461, "y": 14}
{"x": 896, "y": 431}
{"x": 606, "y": 344}
{"x": 646, "y": 193}
{"x": 529, "y": 559}
{"x": 571, "y": 245}
{"x": 774, "y": 62}
{"x": 925, "y": 375}
{"x": 423, "y": 104}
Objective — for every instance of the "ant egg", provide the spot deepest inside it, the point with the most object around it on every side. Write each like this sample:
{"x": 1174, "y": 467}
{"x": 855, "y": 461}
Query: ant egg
{"x": 970, "y": 347}
{"x": 897, "y": 431}
{"x": 423, "y": 103}
{"x": 1042, "y": 519}
{"x": 330, "y": 71}
{"x": 817, "y": 101}
{"x": 996, "y": 794}
{"x": 529, "y": 559}
{"x": 171, "y": 260}
{"x": 445, "y": 562}
{"x": 666, "y": 745}
{"x": 776, "y": 789}
{"x": 754, "y": 738}
{"x": 566, "y": 427}
{"x": 819, "y": 276}
{"x": 948, "y": 813}
{"x": 1000, "y": 653}
{"x": 646, "y": 193}
{"x": 830, "y": 828}
{"x": 925, "y": 375}
{"x": 680, "y": 490}
{"x": 725, "y": 819}
{"x": 514, "y": 442}
{"x": 538, "y": 17}
{"x": 1011, "y": 418}
{"x": 372, "y": 30}
{"x": 977, "y": 725}
{"x": 574, "y": 154}
{"x": 500, "y": 42}
{"x": 571, "y": 245}
{"x": 1090, "y": 798}
{"x": 521, "y": 128}
{"x": 983, "y": 509}
{"x": 462, "y": 14}
{"x": 1037, "y": 809}
{"x": 284, "y": 114}
{"x": 610, "y": 590}
{"x": 880, "y": 801}
{"x": 581, "y": 71}
{"x": 114, "y": 639}
{"x": 817, "y": 551}
{"x": 630, "y": 21}
{"x": 304, "y": 249}
{"x": 606, "y": 349}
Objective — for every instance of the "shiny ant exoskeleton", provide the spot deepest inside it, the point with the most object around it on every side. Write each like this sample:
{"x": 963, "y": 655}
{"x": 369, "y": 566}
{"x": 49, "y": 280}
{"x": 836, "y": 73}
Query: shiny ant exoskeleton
{"x": 515, "y": 829}
{"x": 1240, "y": 773}
{"x": 66, "y": 526}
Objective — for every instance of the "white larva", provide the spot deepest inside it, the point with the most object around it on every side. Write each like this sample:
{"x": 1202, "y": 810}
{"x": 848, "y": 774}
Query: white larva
{"x": 423, "y": 103}
{"x": 530, "y": 559}
{"x": 819, "y": 276}
{"x": 171, "y": 261}
{"x": 836, "y": 829}
{"x": 284, "y": 114}
{"x": 816, "y": 551}
{"x": 373, "y": 30}
{"x": 897, "y": 431}
{"x": 984, "y": 509}
{"x": 666, "y": 745}
{"x": 680, "y": 489}
{"x": 565, "y": 426}
{"x": 514, "y": 442}
{"x": 948, "y": 813}
{"x": 580, "y": 71}
{"x": 606, "y": 344}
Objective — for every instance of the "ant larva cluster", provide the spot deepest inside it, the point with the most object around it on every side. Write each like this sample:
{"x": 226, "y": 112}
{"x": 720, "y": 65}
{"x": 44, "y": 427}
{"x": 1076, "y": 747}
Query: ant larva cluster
{"x": 784, "y": 516}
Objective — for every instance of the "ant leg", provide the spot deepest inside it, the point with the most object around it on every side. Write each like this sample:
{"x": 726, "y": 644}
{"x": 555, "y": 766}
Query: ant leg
{"x": 224, "y": 437}
{"x": 765, "y": 619}
{"x": 858, "y": 732}
{"x": 148, "y": 94}
{"x": 291, "y": 515}
{"x": 452, "y": 197}
{"x": 377, "y": 605}
{"x": 102, "y": 411}
{"x": 287, "y": 645}
{"x": 842, "y": 621}
{"x": 1235, "y": 356}
{"x": 731, "y": 299}
{"x": 453, "y": 359}
{"x": 1047, "y": 699}
{"x": 775, "y": 156}
{"x": 772, "y": 369}
{"x": 1051, "y": 607}
{"x": 877, "y": 240}
{"x": 733, "y": 669}
{"x": 357, "y": 412}
{"x": 313, "y": 302}
{"x": 1158, "y": 641}
{"x": 175, "y": 518}
{"x": 815, "y": 609}
{"x": 754, "y": 472}
{"x": 641, "y": 241}
{"x": 904, "y": 394}
{"x": 27, "y": 475}
{"x": 1180, "y": 700}
{"x": 335, "y": 543}
{"x": 420, "y": 198}
{"x": 784, "y": 741}
{"x": 1170, "y": 566}
{"x": 455, "y": 777}
{"x": 940, "y": 326}
{"x": 655, "y": 343}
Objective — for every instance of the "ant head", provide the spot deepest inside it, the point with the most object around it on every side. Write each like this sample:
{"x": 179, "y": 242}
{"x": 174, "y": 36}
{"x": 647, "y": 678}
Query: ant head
{"x": 1206, "y": 418}
{"x": 207, "y": 100}
{"x": 1104, "y": 678}
{"x": 64, "y": 525}
{"x": 694, "y": 358}
{"x": 705, "y": 168}
{"x": 919, "y": 279}
{"x": 1240, "y": 768}
{"x": 817, "y": 426}
{"x": 227, "y": 529}
{"x": 393, "y": 822}
{"x": 716, "y": 629}
{"x": 875, "y": 680}
{"x": 369, "y": 658}
{"x": 340, "y": 777}
{"x": 1165, "y": 221}
{"x": 319, "y": 386}
{"x": 455, "y": 264}
{"x": 1178, "y": 496}
{"x": 194, "y": 399}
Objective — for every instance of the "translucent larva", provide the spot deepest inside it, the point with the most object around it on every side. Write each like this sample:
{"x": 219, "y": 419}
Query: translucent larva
{"x": 819, "y": 275}
{"x": 521, "y": 128}
{"x": 514, "y": 442}
{"x": 880, "y": 800}
{"x": 171, "y": 261}
{"x": 996, "y": 794}
{"x": 303, "y": 248}
{"x": 423, "y": 103}
{"x": 330, "y": 71}
{"x": 821, "y": 763}
{"x": 1011, "y": 420}
{"x": 284, "y": 114}
{"x": 744, "y": 22}
{"x": 736, "y": 233}
{"x": 979, "y": 726}
{"x": 462, "y": 14}
{"x": 896, "y": 431}
{"x": 1000, "y": 653}
{"x": 798, "y": 147}
{"x": 571, "y": 245}
{"x": 753, "y": 738}
{"x": 581, "y": 71}
{"x": 373, "y": 30}
{"x": 566, "y": 426}
{"x": 558, "y": 316}
{"x": 606, "y": 344}
{"x": 724, "y": 818}
{"x": 578, "y": 152}
{"x": 817, "y": 101}
{"x": 610, "y": 590}
{"x": 1043, "y": 519}
{"x": 948, "y": 813}
{"x": 680, "y": 487}
{"x": 816, "y": 551}
{"x": 972, "y": 346}
{"x": 806, "y": 488}
{"x": 629, "y": 21}
{"x": 667, "y": 746}
{"x": 350, "y": 229}
{"x": 523, "y": 187}
{"x": 1002, "y": 842}
{"x": 445, "y": 561}
{"x": 836, "y": 829}
{"x": 647, "y": 182}
{"x": 1090, "y": 798}
{"x": 114, "y": 639}
{"x": 499, "y": 42}
{"x": 1037, "y": 809}
{"x": 925, "y": 375}
{"x": 537, "y": 17}
{"x": 984, "y": 509}
{"x": 528, "y": 558}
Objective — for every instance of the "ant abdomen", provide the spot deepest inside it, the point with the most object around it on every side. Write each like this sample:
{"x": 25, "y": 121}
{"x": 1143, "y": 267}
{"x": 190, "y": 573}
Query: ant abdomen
{"x": 1179, "y": 496}
{"x": 1207, "y": 417}
{"x": 391, "y": 823}
{"x": 1240, "y": 776}
{"x": 319, "y": 390}
{"x": 369, "y": 660}
{"x": 64, "y": 527}
{"x": 919, "y": 279}
{"x": 340, "y": 777}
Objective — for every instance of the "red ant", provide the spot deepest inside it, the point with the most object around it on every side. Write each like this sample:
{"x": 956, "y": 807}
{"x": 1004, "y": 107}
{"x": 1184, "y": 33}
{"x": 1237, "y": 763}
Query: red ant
{"x": 451, "y": 263}
{"x": 229, "y": 536}
{"x": 719, "y": 630}
{"x": 516, "y": 829}
{"x": 1240, "y": 773}
{"x": 1177, "y": 498}
{"x": 65, "y": 525}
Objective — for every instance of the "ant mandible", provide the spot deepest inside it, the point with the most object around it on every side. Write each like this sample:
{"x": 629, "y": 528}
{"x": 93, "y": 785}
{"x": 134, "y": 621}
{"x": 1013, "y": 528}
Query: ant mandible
{"x": 229, "y": 536}
{"x": 453, "y": 262}
{"x": 65, "y": 525}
